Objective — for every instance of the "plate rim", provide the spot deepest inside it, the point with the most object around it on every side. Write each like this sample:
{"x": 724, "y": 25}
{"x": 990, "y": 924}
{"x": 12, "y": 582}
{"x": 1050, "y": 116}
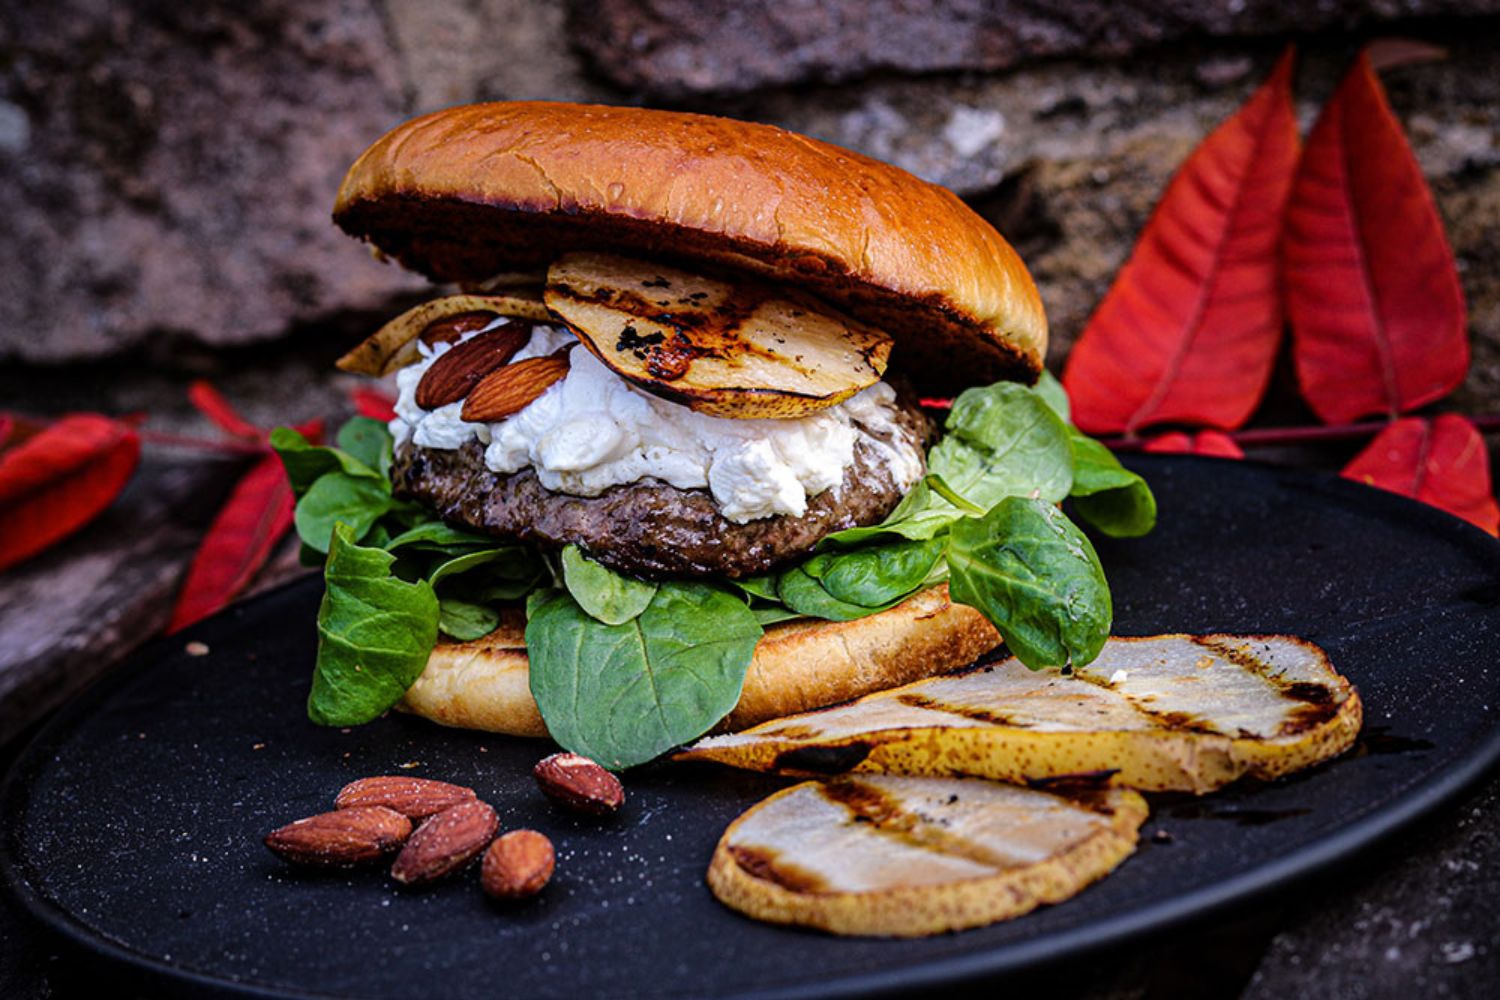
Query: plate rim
{"x": 1325, "y": 854}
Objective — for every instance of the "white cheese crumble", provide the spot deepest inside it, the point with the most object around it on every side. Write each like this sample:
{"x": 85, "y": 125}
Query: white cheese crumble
{"x": 594, "y": 430}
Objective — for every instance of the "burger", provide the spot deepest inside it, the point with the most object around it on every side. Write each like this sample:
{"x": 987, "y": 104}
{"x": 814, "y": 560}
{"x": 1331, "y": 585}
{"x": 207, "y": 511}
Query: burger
{"x": 660, "y": 458}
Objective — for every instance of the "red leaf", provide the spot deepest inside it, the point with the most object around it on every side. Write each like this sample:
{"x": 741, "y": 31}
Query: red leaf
{"x": 238, "y": 543}
{"x": 373, "y": 404}
{"x": 1377, "y": 312}
{"x": 56, "y": 481}
{"x": 208, "y": 401}
{"x": 1441, "y": 461}
{"x": 1390, "y": 53}
{"x": 1213, "y": 443}
{"x": 1189, "y": 330}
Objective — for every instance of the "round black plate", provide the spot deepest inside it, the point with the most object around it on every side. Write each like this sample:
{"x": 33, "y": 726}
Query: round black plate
{"x": 133, "y": 823}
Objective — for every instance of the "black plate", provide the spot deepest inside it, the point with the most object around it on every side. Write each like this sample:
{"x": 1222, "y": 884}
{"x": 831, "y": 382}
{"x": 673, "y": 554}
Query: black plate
{"x": 133, "y": 823}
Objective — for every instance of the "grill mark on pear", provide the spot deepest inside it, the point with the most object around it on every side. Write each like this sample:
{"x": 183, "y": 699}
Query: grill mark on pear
{"x": 889, "y": 817}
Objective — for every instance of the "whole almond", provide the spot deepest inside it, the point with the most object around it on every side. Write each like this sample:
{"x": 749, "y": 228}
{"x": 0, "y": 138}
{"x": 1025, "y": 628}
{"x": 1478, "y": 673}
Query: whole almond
{"x": 450, "y": 328}
{"x": 340, "y": 838}
{"x": 575, "y": 782}
{"x": 517, "y": 865}
{"x": 416, "y": 798}
{"x": 511, "y": 389}
{"x": 455, "y": 374}
{"x": 445, "y": 842}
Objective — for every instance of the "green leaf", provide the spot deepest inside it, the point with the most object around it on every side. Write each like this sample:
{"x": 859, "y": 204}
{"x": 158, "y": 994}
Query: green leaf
{"x": 763, "y": 586}
{"x": 339, "y": 498}
{"x": 1003, "y": 440}
{"x": 440, "y": 537}
{"x": 464, "y": 620}
{"x": 878, "y": 575}
{"x": 940, "y": 486}
{"x": 807, "y": 596}
{"x": 623, "y": 694}
{"x": 1106, "y": 494}
{"x": 918, "y": 517}
{"x": 369, "y": 442}
{"x": 539, "y": 597}
{"x": 1037, "y": 579}
{"x": 770, "y": 614}
{"x": 606, "y": 595}
{"x": 504, "y": 557}
{"x": 374, "y": 634}
{"x": 1054, "y": 395}
{"x": 306, "y": 463}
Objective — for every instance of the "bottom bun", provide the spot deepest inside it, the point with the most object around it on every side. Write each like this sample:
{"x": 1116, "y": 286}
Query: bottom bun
{"x": 798, "y": 666}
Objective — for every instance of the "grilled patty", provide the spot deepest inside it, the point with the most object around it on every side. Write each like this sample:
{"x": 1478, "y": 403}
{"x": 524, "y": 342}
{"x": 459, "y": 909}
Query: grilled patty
{"x": 647, "y": 528}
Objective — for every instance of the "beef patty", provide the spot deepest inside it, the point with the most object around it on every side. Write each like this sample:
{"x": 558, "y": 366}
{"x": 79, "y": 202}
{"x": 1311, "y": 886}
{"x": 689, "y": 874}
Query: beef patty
{"x": 648, "y": 528}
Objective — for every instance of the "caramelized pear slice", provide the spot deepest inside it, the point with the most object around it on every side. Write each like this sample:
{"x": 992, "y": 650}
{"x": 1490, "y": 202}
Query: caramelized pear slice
{"x": 728, "y": 349}
{"x": 906, "y": 857}
{"x": 1167, "y": 713}
{"x": 394, "y": 345}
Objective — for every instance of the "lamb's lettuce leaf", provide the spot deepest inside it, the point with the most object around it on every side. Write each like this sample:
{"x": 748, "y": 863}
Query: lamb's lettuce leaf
{"x": 1106, "y": 494}
{"x": 611, "y": 597}
{"x": 375, "y": 632}
{"x": 1037, "y": 579}
{"x": 623, "y": 694}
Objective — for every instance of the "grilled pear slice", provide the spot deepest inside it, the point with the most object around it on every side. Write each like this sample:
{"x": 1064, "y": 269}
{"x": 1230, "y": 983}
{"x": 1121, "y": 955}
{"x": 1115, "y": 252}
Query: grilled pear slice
{"x": 394, "y": 345}
{"x": 906, "y": 857}
{"x": 1166, "y": 713}
{"x": 728, "y": 349}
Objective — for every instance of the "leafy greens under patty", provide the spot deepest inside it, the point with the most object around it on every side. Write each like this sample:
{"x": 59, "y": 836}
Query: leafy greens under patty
{"x": 623, "y": 669}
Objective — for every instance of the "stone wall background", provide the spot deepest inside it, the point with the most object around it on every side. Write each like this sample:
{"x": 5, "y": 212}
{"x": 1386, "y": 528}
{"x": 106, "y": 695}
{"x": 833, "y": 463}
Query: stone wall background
{"x": 166, "y": 170}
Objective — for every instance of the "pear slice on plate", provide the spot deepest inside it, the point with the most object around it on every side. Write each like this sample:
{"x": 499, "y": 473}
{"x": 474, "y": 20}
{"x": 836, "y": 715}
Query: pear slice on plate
{"x": 394, "y": 345}
{"x": 725, "y": 348}
{"x": 1166, "y": 713}
{"x": 905, "y": 857}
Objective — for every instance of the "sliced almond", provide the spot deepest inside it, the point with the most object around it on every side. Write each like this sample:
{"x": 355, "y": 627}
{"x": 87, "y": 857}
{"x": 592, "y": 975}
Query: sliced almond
{"x": 509, "y": 390}
{"x": 726, "y": 348}
{"x": 455, "y": 374}
{"x": 394, "y": 345}
{"x": 1166, "y": 713}
{"x": 906, "y": 857}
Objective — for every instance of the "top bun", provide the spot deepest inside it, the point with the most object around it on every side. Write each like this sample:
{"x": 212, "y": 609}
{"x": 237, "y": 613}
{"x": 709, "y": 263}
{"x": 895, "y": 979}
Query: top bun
{"x": 471, "y": 192}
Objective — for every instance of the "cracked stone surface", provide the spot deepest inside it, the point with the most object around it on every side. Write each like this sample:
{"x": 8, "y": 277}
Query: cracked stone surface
{"x": 168, "y": 169}
{"x": 677, "y": 49}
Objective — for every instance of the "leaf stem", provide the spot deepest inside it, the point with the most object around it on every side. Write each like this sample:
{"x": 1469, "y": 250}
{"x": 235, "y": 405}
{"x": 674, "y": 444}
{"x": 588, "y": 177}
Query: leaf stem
{"x": 1267, "y": 437}
{"x": 948, "y": 493}
{"x": 222, "y": 446}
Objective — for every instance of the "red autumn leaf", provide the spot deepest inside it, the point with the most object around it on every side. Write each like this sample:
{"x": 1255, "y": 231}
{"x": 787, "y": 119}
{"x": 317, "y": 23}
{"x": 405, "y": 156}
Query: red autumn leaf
{"x": 238, "y": 543}
{"x": 1214, "y": 443}
{"x": 242, "y": 537}
{"x": 209, "y": 402}
{"x": 1189, "y": 330}
{"x": 1377, "y": 312}
{"x": 60, "y": 478}
{"x": 373, "y": 404}
{"x": 1442, "y": 461}
{"x": 1389, "y": 53}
